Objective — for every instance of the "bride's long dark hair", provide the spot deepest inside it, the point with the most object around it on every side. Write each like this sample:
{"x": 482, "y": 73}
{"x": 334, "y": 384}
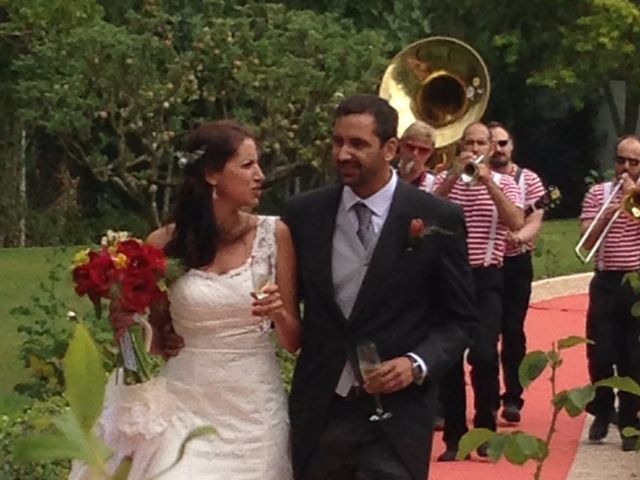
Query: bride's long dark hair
{"x": 195, "y": 236}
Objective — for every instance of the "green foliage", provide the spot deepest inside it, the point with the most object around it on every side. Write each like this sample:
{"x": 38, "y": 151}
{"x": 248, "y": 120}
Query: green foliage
{"x": 72, "y": 435}
{"x": 532, "y": 366}
{"x": 14, "y": 426}
{"x": 287, "y": 365}
{"x": 519, "y": 447}
{"x": 625, "y": 384}
{"x": 127, "y": 91}
{"x": 47, "y": 334}
{"x": 515, "y": 447}
{"x": 85, "y": 378}
{"x": 402, "y": 21}
{"x": 60, "y": 226}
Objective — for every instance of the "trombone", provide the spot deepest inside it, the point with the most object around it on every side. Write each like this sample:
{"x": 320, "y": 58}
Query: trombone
{"x": 630, "y": 206}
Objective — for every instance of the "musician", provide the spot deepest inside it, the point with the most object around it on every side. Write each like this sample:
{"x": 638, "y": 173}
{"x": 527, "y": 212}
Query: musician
{"x": 610, "y": 325}
{"x": 491, "y": 206}
{"x": 517, "y": 270}
{"x": 416, "y": 146}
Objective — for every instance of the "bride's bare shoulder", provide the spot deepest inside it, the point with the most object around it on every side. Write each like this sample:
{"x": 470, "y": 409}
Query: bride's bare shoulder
{"x": 160, "y": 237}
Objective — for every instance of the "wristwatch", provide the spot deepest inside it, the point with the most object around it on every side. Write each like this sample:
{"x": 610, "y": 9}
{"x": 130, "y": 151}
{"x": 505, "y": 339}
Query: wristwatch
{"x": 416, "y": 370}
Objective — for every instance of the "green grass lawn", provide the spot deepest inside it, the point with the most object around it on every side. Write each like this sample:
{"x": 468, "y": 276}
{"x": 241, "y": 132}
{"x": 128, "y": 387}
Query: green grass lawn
{"x": 555, "y": 255}
{"x": 23, "y": 269}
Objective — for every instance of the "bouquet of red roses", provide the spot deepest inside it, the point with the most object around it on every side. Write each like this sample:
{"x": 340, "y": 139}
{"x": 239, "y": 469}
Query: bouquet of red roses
{"x": 125, "y": 270}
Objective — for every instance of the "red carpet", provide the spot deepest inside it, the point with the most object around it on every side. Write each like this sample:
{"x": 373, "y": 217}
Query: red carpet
{"x": 546, "y": 322}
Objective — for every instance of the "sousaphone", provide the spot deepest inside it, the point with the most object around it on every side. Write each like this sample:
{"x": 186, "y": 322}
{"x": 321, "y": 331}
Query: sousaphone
{"x": 441, "y": 81}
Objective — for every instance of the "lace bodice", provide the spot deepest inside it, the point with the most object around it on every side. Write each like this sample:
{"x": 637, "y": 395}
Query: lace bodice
{"x": 214, "y": 310}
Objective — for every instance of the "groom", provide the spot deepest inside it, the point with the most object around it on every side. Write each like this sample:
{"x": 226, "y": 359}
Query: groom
{"x": 381, "y": 261}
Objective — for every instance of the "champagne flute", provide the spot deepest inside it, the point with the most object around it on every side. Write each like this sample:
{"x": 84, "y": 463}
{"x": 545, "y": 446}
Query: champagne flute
{"x": 262, "y": 273}
{"x": 369, "y": 362}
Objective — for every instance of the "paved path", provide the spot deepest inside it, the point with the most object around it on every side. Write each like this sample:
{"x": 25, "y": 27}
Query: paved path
{"x": 605, "y": 461}
{"x": 572, "y": 457}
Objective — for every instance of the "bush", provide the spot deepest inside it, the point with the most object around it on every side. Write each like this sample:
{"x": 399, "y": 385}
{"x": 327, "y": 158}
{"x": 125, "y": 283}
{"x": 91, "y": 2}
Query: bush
{"x": 34, "y": 418}
{"x": 47, "y": 331}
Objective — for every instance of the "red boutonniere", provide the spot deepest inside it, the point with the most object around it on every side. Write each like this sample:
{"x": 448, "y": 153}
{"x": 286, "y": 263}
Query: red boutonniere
{"x": 418, "y": 229}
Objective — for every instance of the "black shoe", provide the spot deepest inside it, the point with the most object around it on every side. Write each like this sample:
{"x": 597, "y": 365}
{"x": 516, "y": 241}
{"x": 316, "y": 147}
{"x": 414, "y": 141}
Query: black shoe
{"x": 447, "y": 456}
{"x": 598, "y": 429}
{"x": 482, "y": 451}
{"x": 438, "y": 425}
{"x": 511, "y": 414}
{"x": 450, "y": 455}
{"x": 629, "y": 444}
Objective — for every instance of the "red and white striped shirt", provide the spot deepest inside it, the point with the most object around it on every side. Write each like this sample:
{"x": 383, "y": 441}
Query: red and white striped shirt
{"x": 531, "y": 190}
{"x": 620, "y": 249}
{"x": 485, "y": 245}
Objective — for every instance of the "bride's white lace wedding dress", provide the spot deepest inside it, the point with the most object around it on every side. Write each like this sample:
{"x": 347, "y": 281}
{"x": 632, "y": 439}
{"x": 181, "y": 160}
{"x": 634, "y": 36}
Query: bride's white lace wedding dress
{"x": 226, "y": 376}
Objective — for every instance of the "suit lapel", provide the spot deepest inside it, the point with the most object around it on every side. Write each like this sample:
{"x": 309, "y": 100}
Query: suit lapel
{"x": 390, "y": 245}
{"x": 322, "y": 235}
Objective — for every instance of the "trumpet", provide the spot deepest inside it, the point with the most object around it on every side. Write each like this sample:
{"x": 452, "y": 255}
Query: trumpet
{"x": 630, "y": 206}
{"x": 471, "y": 171}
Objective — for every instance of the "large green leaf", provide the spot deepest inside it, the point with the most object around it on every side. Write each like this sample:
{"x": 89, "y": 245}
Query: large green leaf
{"x": 89, "y": 448}
{"x": 572, "y": 341}
{"x": 497, "y": 446}
{"x": 122, "y": 472}
{"x": 635, "y": 310}
{"x": 578, "y": 398}
{"x": 532, "y": 367}
{"x": 45, "y": 447}
{"x": 85, "y": 378}
{"x": 626, "y": 384}
{"x": 472, "y": 440}
{"x": 514, "y": 453}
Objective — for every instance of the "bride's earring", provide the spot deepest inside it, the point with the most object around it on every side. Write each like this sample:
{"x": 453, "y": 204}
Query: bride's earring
{"x": 214, "y": 193}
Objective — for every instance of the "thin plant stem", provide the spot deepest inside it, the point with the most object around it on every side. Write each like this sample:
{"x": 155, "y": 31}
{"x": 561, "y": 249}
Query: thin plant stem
{"x": 554, "y": 417}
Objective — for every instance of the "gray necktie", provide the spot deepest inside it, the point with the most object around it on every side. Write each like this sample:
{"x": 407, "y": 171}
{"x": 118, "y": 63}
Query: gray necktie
{"x": 365, "y": 227}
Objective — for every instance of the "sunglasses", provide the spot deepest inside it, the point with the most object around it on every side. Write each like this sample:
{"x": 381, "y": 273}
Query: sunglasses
{"x": 414, "y": 147}
{"x": 502, "y": 143}
{"x": 633, "y": 162}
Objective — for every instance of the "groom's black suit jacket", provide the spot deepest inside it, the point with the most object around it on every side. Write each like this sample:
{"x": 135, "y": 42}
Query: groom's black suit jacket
{"x": 411, "y": 300}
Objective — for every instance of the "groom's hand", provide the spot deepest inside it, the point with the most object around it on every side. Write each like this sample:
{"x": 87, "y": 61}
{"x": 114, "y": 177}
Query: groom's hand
{"x": 391, "y": 376}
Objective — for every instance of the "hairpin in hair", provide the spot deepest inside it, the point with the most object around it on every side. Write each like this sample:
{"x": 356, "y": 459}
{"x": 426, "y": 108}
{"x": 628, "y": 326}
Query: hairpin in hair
{"x": 187, "y": 158}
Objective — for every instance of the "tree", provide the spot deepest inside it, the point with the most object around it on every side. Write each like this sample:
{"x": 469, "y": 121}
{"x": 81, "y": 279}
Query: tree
{"x": 126, "y": 92}
{"x": 599, "y": 45}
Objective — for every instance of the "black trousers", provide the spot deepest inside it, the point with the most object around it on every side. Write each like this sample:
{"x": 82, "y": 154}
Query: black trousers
{"x": 517, "y": 273}
{"x": 353, "y": 448}
{"x": 616, "y": 334}
{"x": 483, "y": 358}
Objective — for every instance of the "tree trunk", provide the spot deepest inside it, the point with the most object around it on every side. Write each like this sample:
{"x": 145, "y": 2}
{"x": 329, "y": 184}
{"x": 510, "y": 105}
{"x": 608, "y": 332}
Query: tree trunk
{"x": 166, "y": 192}
{"x": 631, "y": 106}
{"x": 22, "y": 189}
{"x": 613, "y": 108}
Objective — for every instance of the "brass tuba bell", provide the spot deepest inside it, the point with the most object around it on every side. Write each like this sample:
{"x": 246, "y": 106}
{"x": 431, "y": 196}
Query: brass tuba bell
{"x": 441, "y": 81}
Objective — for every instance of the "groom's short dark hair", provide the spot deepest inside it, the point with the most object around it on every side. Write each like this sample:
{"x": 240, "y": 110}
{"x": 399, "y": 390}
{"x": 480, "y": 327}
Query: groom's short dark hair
{"x": 385, "y": 115}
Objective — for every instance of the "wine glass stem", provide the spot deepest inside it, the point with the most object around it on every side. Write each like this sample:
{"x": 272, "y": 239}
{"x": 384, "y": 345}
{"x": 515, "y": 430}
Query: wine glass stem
{"x": 379, "y": 409}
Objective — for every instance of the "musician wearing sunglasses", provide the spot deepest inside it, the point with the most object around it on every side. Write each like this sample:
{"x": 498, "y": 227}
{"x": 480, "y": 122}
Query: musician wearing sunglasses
{"x": 610, "y": 325}
{"x": 517, "y": 270}
{"x": 416, "y": 146}
{"x": 491, "y": 205}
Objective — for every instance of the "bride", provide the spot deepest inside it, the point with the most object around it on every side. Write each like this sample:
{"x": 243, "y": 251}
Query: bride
{"x": 226, "y": 374}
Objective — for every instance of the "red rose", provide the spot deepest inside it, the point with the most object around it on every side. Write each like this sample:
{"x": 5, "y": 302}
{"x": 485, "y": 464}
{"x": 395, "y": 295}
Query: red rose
{"x": 95, "y": 277}
{"x": 417, "y": 228}
{"x": 156, "y": 258}
{"x": 139, "y": 290}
